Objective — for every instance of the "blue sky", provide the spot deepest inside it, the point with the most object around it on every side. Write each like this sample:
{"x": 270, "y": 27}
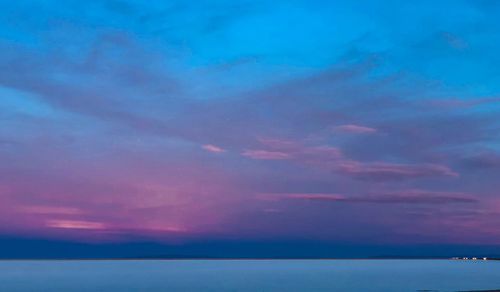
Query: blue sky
{"x": 333, "y": 121}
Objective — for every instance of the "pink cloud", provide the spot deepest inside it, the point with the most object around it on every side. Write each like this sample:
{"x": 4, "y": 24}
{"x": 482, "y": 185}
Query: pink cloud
{"x": 356, "y": 129}
{"x": 75, "y": 224}
{"x": 179, "y": 196}
{"x": 213, "y": 148}
{"x": 389, "y": 171}
{"x": 331, "y": 158}
{"x": 265, "y": 155}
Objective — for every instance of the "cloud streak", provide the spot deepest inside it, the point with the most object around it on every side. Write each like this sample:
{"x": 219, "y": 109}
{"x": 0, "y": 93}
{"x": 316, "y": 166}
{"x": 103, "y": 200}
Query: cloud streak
{"x": 265, "y": 155}
{"x": 213, "y": 148}
{"x": 75, "y": 224}
{"x": 355, "y": 129}
{"x": 394, "y": 171}
{"x": 485, "y": 160}
{"x": 400, "y": 197}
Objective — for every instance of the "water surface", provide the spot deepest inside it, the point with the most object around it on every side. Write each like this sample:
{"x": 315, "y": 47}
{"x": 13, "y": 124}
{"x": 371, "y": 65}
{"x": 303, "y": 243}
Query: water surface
{"x": 250, "y": 275}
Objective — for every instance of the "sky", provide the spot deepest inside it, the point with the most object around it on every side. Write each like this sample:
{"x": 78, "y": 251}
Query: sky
{"x": 342, "y": 123}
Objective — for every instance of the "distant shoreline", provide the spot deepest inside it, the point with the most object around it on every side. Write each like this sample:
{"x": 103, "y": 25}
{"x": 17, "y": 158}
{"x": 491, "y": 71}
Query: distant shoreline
{"x": 236, "y": 259}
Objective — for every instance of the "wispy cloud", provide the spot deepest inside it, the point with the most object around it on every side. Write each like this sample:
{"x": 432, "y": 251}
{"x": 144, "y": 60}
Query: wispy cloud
{"x": 356, "y": 129}
{"x": 265, "y": 155}
{"x": 483, "y": 159}
{"x": 393, "y": 171}
{"x": 213, "y": 148}
{"x": 332, "y": 158}
{"x": 278, "y": 149}
{"x": 75, "y": 224}
{"x": 398, "y": 197}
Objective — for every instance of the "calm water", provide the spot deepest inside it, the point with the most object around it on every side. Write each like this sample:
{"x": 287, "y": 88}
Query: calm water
{"x": 250, "y": 275}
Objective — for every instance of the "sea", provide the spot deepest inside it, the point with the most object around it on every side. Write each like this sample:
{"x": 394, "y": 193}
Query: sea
{"x": 250, "y": 275}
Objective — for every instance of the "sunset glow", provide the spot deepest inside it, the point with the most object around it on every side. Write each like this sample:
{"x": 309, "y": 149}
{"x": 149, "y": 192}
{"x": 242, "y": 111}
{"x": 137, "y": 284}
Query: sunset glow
{"x": 194, "y": 121}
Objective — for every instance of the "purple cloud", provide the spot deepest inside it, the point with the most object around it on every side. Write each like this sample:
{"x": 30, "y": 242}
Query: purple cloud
{"x": 399, "y": 197}
{"x": 393, "y": 171}
{"x": 265, "y": 155}
{"x": 331, "y": 158}
{"x": 483, "y": 160}
{"x": 278, "y": 149}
